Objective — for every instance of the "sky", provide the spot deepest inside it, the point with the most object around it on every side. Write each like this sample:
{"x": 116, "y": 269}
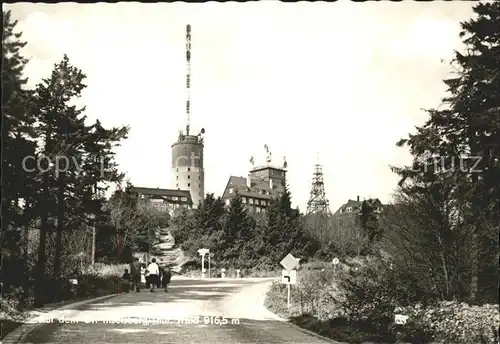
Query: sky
{"x": 334, "y": 83}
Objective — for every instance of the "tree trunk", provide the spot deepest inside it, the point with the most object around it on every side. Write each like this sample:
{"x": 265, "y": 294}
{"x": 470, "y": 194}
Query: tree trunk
{"x": 26, "y": 283}
{"x": 40, "y": 269}
{"x": 476, "y": 211}
{"x": 60, "y": 225}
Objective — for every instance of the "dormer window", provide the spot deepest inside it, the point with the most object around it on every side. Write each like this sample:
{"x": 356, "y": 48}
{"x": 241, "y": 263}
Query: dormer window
{"x": 349, "y": 209}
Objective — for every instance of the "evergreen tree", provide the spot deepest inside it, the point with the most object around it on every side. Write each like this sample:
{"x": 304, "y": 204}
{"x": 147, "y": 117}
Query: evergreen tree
{"x": 209, "y": 214}
{"x": 238, "y": 229}
{"x": 469, "y": 127}
{"x": 369, "y": 222}
{"x": 17, "y": 144}
{"x": 78, "y": 151}
{"x": 284, "y": 232}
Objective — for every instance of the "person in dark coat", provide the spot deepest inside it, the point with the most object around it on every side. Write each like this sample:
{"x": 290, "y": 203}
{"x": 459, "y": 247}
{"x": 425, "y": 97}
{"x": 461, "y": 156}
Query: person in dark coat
{"x": 126, "y": 278}
{"x": 148, "y": 284}
{"x": 167, "y": 276}
{"x": 135, "y": 274}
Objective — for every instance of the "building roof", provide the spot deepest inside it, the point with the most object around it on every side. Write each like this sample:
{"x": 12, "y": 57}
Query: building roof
{"x": 356, "y": 205}
{"x": 260, "y": 168}
{"x": 239, "y": 184}
{"x": 163, "y": 192}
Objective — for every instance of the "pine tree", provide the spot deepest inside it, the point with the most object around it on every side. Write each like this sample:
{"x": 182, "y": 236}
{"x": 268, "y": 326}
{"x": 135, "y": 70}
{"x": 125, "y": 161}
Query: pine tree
{"x": 17, "y": 144}
{"x": 284, "y": 232}
{"x": 469, "y": 127}
{"x": 369, "y": 223}
{"x": 238, "y": 226}
{"x": 208, "y": 215}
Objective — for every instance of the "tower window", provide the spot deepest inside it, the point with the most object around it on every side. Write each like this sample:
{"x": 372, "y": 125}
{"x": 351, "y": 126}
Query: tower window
{"x": 189, "y": 184}
{"x": 199, "y": 178}
{"x": 177, "y": 170}
{"x": 189, "y": 177}
{"x": 177, "y": 177}
{"x": 199, "y": 185}
{"x": 177, "y": 185}
{"x": 189, "y": 169}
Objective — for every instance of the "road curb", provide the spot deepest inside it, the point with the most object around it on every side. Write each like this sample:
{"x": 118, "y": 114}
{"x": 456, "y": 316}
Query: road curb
{"x": 314, "y": 334}
{"x": 20, "y": 333}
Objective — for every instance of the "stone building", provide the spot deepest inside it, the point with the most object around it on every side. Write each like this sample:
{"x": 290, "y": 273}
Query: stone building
{"x": 256, "y": 190}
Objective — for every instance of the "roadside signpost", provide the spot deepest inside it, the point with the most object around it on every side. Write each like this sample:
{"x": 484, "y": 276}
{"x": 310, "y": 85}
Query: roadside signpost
{"x": 289, "y": 275}
{"x": 335, "y": 261}
{"x": 289, "y": 262}
{"x": 203, "y": 252}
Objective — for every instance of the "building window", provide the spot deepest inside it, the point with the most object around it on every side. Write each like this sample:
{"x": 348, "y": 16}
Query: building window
{"x": 177, "y": 177}
{"x": 189, "y": 177}
{"x": 257, "y": 209}
{"x": 199, "y": 185}
{"x": 189, "y": 169}
{"x": 177, "y": 170}
{"x": 349, "y": 209}
{"x": 231, "y": 190}
{"x": 227, "y": 202}
{"x": 177, "y": 186}
{"x": 243, "y": 199}
{"x": 250, "y": 200}
{"x": 189, "y": 184}
{"x": 184, "y": 199}
{"x": 199, "y": 177}
{"x": 262, "y": 202}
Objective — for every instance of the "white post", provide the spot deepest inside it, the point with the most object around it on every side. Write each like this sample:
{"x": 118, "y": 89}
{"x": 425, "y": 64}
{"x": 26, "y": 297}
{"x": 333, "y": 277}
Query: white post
{"x": 93, "y": 243}
{"x": 202, "y": 266}
{"x": 288, "y": 298}
{"x": 237, "y": 273}
{"x": 334, "y": 267}
{"x": 209, "y": 265}
{"x": 223, "y": 273}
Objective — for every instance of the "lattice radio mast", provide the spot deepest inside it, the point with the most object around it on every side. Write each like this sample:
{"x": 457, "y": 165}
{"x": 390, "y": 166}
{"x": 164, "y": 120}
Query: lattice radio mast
{"x": 318, "y": 204}
{"x": 188, "y": 76}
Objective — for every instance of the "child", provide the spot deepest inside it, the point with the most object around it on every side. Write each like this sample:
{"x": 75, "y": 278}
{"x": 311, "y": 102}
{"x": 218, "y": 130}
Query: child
{"x": 126, "y": 281}
{"x": 167, "y": 275}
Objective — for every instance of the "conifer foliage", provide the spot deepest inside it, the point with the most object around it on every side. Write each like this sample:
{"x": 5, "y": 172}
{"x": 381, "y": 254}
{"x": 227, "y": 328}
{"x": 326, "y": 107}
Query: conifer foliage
{"x": 242, "y": 240}
{"x": 54, "y": 165}
{"x": 456, "y": 184}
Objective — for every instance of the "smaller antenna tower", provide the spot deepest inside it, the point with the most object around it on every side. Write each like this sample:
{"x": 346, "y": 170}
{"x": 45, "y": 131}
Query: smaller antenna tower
{"x": 318, "y": 204}
{"x": 188, "y": 76}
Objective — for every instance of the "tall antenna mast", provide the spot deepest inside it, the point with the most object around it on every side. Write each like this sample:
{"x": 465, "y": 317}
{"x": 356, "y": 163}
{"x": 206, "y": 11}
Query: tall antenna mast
{"x": 188, "y": 75}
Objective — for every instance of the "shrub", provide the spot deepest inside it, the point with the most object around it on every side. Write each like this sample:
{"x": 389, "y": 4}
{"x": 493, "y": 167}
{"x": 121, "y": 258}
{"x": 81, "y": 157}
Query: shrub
{"x": 106, "y": 270}
{"x": 454, "y": 322}
{"x": 96, "y": 285}
{"x": 276, "y": 299}
{"x": 369, "y": 295}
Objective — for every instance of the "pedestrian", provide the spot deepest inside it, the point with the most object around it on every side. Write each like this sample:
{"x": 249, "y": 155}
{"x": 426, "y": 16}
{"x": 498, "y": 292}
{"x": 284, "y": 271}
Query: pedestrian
{"x": 154, "y": 271}
{"x": 143, "y": 274}
{"x": 126, "y": 281}
{"x": 135, "y": 273}
{"x": 167, "y": 276}
{"x": 160, "y": 277}
{"x": 146, "y": 274}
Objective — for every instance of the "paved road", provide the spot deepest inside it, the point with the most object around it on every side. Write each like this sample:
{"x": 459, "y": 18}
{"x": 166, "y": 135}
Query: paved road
{"x": 193, "y": 311}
